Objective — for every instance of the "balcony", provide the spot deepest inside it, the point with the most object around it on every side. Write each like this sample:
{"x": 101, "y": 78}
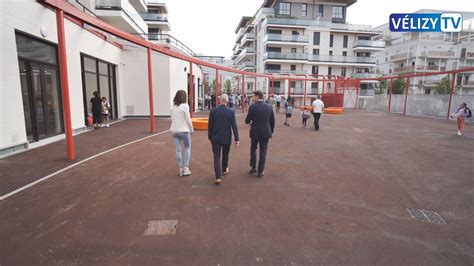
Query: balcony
{"x": 277, "y": 90}
{"x": 303, "y": 39}
{"x": 121, "y": 14}
{"x": 401, "y": 56}
{"x": 367, "y": 75}
{"x": 169, "y": 41}
{"x": 368, "y": 45}
{"x": 285, "y": 56}
{"x": 247, "y": 37}
{"x": 304, "y": 23}
{"x": 367, "y": 93}
{"x": 286, "y": 71}
{"x": 438, "y": 54}
{"x": 246, "y": 65}
{"x": 342, "y": 59}
{"x": 469, "y": 55}
{"x": 154, "y": 17}
{"x": 246, "y": 51}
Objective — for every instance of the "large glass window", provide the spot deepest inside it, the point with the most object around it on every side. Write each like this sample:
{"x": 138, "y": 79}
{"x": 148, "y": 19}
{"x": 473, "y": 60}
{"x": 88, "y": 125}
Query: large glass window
{"x": 316, "y": 38}
{"x": 39, "y": 80}
{"x": 284, "y": 8}
{"x": 337, "y": 12}
{"x": 304, "y": 10}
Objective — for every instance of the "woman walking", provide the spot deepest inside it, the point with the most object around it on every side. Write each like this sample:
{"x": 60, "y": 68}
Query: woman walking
{"x": 181, "y": 128}
{"x": 461, "y": 114}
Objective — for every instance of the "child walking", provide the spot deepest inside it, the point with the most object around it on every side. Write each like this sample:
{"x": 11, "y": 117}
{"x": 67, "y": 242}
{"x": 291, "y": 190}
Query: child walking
{"x": 305, "y": 114}
{"x": 461, "y": 114}
{"x": 288, "y": 111}
{"x": 105, "y": 112}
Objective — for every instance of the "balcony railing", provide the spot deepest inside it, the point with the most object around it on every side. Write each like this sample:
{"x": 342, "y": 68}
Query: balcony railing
{"x": 401, "y": 56}
{"x": 278, "y": 90}
{"x": 126, "y": 8}
{"x": 342, "y": 59}
{"x": 318, "y": 23}
{"x": 247, "y": 37}
{"x": 286, "y": 71}
{"x": 364, "y": 75}
{"x": 369, "y": 44}
{"x": 367, "y": 92}
{"x": 154, "y": 17}
{"x": 167, "y": 39}
{"x": 286, "y": 38}
{"x": 285, "y": 56}
{"x": 437, "y": 54}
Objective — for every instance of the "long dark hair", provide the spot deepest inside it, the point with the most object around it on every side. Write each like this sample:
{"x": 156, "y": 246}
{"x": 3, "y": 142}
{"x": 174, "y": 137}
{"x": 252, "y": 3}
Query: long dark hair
{"x": 179, "y": 98}
{"x": 97, "y": 95}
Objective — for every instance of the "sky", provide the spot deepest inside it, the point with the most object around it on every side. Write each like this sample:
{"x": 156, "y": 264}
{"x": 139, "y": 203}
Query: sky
{"x": 208, "y": 26}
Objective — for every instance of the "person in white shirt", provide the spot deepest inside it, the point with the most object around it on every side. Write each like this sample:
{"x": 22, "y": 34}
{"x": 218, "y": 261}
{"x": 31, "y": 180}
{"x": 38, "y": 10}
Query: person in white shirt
{"x": 278, "y": 102}
{"x": 181, "y": 128}
{"x": 318, "y": 109}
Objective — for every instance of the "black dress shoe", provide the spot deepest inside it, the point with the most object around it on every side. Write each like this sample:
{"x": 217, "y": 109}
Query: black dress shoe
{"x": 252, "y": 171}
{"x": 260, "y": 175}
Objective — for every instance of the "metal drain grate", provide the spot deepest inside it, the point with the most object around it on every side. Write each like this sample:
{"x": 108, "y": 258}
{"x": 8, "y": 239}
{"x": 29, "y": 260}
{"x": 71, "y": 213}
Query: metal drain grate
{"x": 161, "y": 227}
{"x": 426, "y": 215}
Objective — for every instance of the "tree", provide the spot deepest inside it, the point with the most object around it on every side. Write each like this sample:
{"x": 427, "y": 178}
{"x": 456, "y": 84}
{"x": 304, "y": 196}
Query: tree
{"x": 398, "y": 86}
{"x": 207, "y": 87}
{"x": 227, "y": 87}
{"x": 382, "y": 87}
{"x": 444, "y": 86}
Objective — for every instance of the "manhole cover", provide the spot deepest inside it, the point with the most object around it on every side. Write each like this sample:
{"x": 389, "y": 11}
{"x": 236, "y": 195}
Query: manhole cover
{"x": 426, "y": 215}
{"x": 161, "y": 227}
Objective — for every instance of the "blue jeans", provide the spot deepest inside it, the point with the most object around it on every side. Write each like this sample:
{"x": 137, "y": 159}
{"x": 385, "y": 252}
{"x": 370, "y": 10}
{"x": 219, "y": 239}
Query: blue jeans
{"x": 178, "y": 138}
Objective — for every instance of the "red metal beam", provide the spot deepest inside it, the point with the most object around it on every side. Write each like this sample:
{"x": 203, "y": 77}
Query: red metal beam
{"x": 289, "y": 88}
{"x": 217, "y": 87}
{"x": 304, "y": 97}
{"x": 64, "y": 84}
{"x": 191, "y": 89}
{"x": 150, "y": 91}
{"x": 451, "y": 91}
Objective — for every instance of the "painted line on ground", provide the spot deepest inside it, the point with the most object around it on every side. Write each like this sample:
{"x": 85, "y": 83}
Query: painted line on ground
{"x": 16, "y": 191}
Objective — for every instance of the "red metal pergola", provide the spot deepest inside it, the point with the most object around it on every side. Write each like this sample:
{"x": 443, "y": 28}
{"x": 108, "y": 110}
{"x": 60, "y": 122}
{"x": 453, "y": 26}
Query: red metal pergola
{"x": 64, "y": 9}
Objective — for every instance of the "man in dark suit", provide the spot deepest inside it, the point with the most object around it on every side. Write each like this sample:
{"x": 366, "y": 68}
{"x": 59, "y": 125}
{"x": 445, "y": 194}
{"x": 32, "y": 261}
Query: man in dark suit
{"x": 262, "y": 121}
{"x": 220, "y": 127}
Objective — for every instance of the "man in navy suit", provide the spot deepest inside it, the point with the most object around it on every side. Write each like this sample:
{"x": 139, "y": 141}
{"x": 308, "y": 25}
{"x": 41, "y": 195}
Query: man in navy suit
{"x": 262, "y": 122}
{"x": 220, "y": 127}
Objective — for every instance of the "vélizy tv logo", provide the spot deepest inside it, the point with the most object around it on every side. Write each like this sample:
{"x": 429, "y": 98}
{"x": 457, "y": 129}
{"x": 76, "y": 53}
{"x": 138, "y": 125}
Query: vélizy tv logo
{"x": 424, "y": 22}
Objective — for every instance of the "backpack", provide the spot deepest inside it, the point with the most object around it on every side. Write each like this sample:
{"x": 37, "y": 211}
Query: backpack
{"x": 468, "y": 111}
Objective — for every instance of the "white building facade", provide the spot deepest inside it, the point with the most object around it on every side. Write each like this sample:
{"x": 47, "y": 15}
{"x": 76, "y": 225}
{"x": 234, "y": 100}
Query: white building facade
{"x": 305, "y": 38}
{"x": 30, "y": 102}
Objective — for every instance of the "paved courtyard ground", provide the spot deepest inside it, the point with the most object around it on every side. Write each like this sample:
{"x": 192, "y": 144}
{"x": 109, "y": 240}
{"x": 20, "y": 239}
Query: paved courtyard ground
{"x": 334, "y": 197}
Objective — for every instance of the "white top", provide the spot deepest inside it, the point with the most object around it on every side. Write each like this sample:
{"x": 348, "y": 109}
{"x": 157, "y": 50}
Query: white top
{"x": 180, "y": 119}
{"x": 318, "y": 106}
{"x": 277, "y": 98}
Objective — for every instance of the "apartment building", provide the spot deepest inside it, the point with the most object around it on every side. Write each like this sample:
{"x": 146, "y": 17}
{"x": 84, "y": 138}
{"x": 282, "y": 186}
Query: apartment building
{"x": 30, "y": 105}
{"x": 416, "y": 52}
{"x": 311, "y": 38}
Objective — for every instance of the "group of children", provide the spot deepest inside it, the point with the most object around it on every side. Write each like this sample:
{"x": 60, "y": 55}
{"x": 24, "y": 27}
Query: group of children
{"x": 99, "y": 111}
{"x": 305, "y": 112}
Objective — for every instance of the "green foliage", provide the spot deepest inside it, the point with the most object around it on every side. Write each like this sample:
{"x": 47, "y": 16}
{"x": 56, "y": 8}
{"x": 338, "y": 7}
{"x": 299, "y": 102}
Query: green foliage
{"x": 227, "y": 87}
{"x": 444, "y": 86}
{"x": 381, "y": 87}
{"x": 398, "y": 86}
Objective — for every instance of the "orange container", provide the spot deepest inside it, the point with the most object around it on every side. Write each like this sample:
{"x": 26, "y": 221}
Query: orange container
{"x": 200, "y": 123}
{"x": 89, "y": 121}
{"x": 334, "y": 110}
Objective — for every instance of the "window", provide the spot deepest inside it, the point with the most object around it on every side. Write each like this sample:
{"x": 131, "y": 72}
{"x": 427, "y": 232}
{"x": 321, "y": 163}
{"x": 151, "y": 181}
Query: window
{"x": 316, "y": 51}
{"x": 293, "y": 67}
{"x": 316, "y": 38}
{"x": 272, "y": 67}
{"x": 284, "y": 9}
{"x": 272, "y": 31}
{"x": 337, "y": 12}
{"x": 314, "y": 85}
{"x": 427, "y": 91}
{"x": 344, "y": 53}
{"x": 343, "y": 71}
{"x": 293, "y": 50}
{"x": 293, "y": 84}
{"x": 315, "y": 70}
{"x": 329, "y": 70}
{"x": 330, "y": 52}
{"x": 331, "y": 40}
{"x": 304, "y": 10}
{"x": 321, "y": 10}
{"x": 274, "y": 49}
{"x": 295, "y": 32}
{"x": 345, "y": 41}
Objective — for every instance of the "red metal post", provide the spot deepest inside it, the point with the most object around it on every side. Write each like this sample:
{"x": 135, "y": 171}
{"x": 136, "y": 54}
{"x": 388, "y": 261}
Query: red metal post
{"x": 191, "y": 89}
{"x": 238, "y": 84}
{"x": 255, "y": 84}
{"x": 390, "y": 97}
{"x": 451, "y": 92}
{"x": 150, "y": 91}
{"x": 407, "y": 81}
{"x": 243, "y": 93}
{"x": 357, "y": 97}
{"x": 324, "y": 84}
{"x": 304, "y": 97}
{"x": 272, "y": 86}
{"x": 64, "y": 84}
